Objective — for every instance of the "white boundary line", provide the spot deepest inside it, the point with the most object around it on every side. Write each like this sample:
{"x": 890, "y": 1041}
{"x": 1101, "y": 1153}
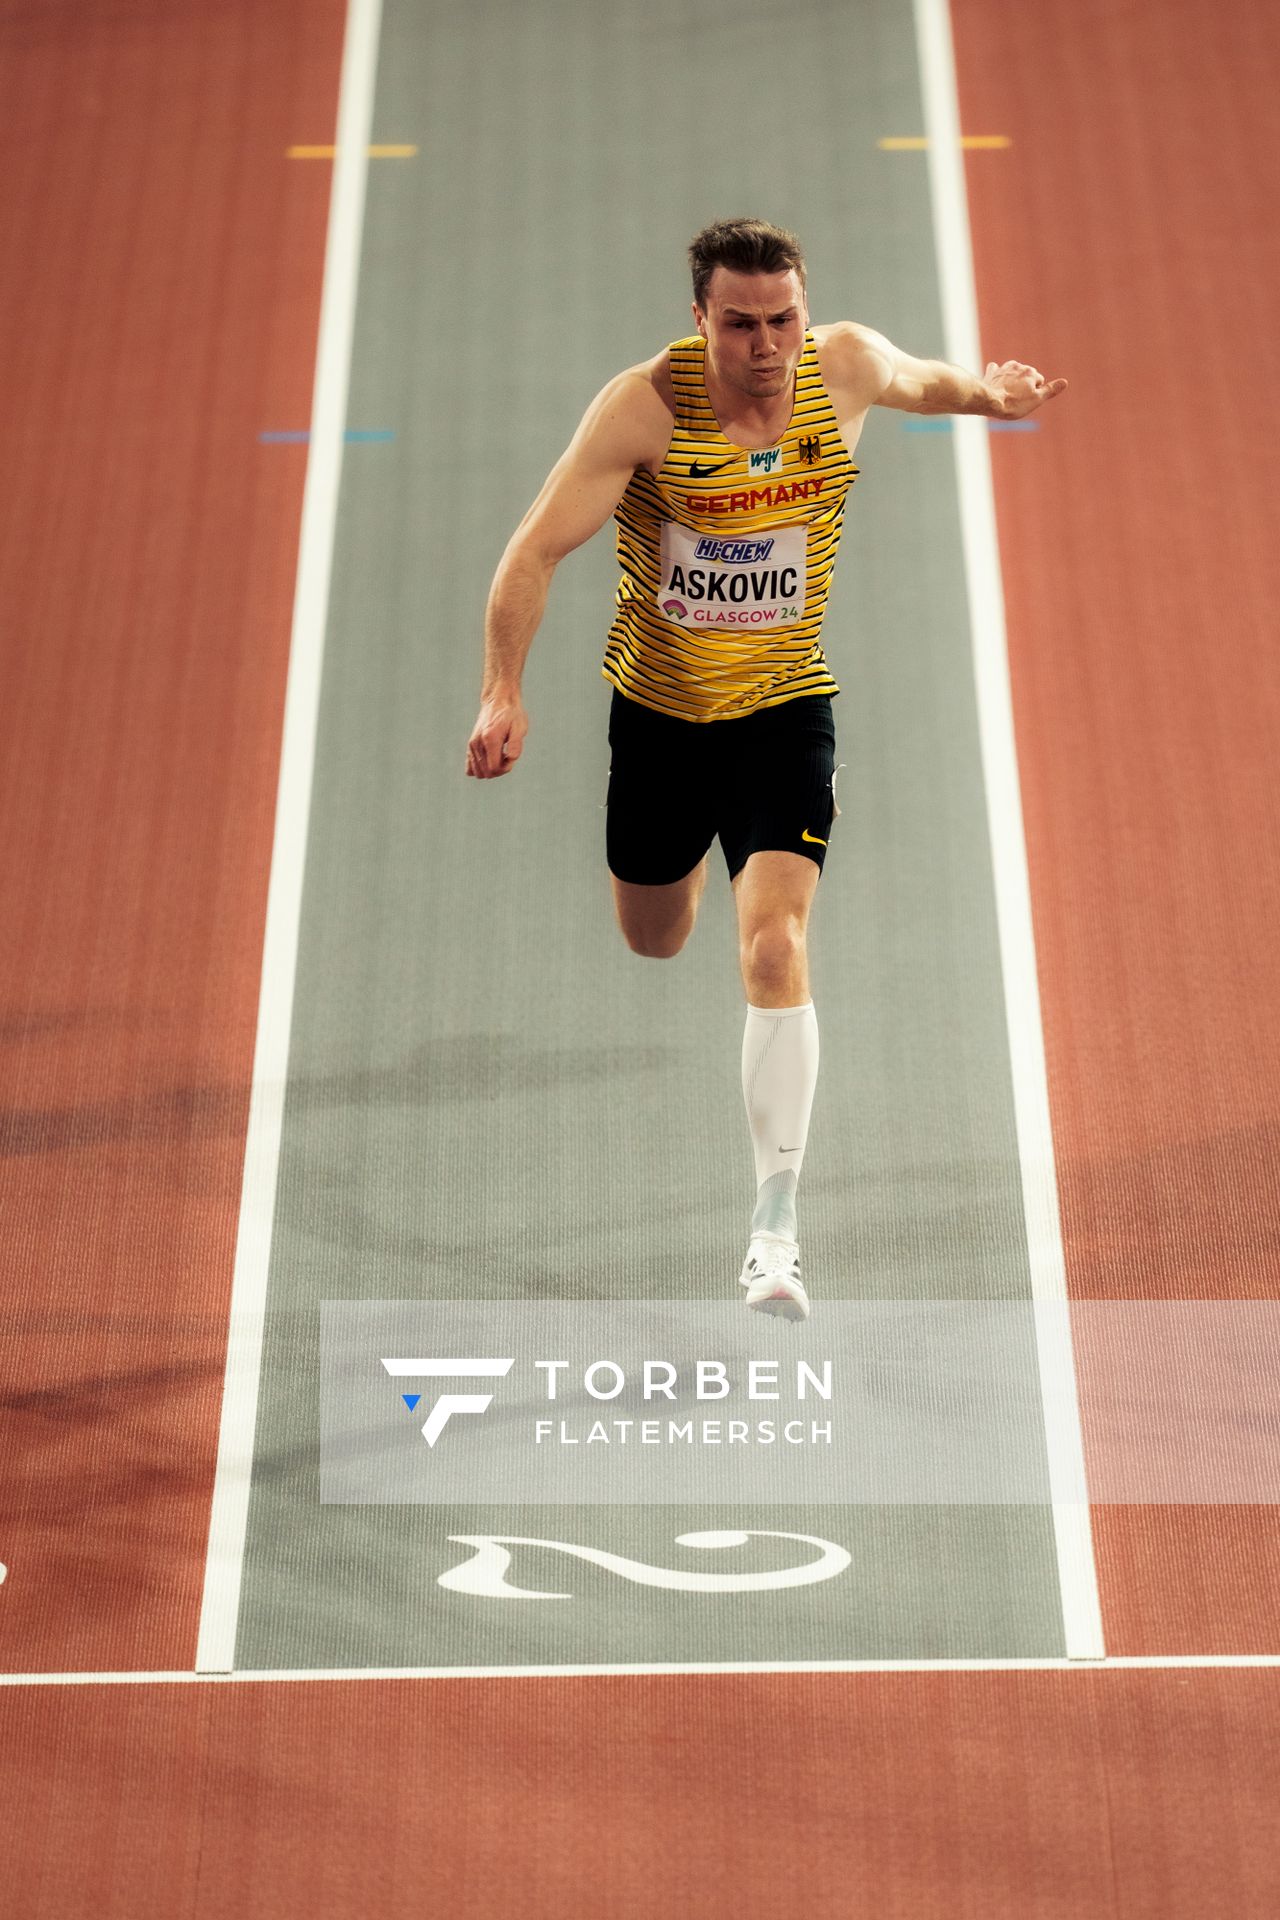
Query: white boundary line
{"x": 229, "y": 1515}
{"x": 1130, "y": 1662}
{"x": 1077, "y": 1574}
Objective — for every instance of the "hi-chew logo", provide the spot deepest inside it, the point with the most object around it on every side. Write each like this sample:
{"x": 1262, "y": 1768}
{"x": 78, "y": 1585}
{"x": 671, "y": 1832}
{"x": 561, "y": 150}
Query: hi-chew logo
{"x": 734, "y": 553}
{"x": 448, "y": 1403}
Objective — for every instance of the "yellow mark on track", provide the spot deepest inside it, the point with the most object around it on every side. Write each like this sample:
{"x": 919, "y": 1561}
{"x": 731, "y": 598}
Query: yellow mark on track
{"x": 914, "y": 144}
{"x": 328, "y": 153}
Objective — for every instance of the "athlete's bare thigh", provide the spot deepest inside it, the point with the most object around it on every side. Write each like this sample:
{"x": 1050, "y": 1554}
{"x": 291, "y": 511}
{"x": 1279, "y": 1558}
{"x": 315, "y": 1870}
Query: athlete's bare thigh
{"x": 656, "y": 921}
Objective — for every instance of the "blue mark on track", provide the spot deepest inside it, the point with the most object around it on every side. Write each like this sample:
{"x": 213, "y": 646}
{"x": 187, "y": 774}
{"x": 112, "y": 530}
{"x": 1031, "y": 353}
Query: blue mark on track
{"x": 411, "y": 1400}
{"x": 996, "y": 426}
{"x": 294, "y": 437}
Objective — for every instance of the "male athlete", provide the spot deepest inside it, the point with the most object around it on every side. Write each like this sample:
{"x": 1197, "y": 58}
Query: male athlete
{"x": 725, "y": 461}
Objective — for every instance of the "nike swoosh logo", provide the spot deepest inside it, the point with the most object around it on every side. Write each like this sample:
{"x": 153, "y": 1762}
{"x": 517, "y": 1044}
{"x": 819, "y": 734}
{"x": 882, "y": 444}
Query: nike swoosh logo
{"x": 812, "y": 838}
{"x": 702, "y": 473}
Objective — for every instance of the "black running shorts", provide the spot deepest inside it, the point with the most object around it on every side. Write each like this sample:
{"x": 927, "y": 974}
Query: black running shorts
{"x": 759, "y": 783}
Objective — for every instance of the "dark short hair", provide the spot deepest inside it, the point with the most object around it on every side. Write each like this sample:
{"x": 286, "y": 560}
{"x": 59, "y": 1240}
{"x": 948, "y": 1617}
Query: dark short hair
{"x": 748, "y": 246}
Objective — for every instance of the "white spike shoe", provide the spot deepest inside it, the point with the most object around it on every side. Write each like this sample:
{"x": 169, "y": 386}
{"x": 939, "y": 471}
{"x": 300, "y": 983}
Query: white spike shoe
{"x": 771, "y": 1276}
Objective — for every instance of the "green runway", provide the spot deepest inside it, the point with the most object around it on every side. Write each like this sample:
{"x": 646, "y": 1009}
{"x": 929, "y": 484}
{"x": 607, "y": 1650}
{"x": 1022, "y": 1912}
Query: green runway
{"x": 489, "y": 1097}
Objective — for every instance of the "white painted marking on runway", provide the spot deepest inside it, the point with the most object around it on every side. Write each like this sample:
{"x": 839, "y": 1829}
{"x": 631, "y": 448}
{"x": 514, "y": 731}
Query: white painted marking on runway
{"x": 1077, "y": 1573}
{"x": 486, "y": 1571}
{"x": 1200, "y": 1662}
{"x": 230, "y": 1508}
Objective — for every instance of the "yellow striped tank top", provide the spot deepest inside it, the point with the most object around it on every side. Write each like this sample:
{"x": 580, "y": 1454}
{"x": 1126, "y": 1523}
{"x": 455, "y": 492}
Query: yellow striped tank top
{"x": 727, "y": 557}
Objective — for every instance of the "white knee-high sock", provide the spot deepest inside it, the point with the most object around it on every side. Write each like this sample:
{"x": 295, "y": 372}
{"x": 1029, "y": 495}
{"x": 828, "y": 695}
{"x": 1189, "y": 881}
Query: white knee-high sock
{"x": 779, "y": 1074}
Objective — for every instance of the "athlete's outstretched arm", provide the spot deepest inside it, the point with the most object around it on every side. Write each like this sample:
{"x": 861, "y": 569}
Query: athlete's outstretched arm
{"x": 1007, "y": 391}
{"x": 622, "y": 428}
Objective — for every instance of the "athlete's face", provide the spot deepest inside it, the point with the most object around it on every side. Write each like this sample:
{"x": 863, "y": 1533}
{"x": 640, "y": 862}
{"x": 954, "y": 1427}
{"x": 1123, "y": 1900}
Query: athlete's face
{"x": 754, "y": 326}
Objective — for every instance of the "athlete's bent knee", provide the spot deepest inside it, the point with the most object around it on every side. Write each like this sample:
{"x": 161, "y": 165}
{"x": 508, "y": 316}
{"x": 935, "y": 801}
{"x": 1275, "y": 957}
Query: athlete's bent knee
{"x": 657, "y": 920}
{"x": 655, "y": 946}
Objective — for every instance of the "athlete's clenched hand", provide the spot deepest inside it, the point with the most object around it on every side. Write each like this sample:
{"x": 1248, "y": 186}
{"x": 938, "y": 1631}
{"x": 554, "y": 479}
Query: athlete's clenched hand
{"x": 1020, "y": 389}
{"x": 497, "y": 737}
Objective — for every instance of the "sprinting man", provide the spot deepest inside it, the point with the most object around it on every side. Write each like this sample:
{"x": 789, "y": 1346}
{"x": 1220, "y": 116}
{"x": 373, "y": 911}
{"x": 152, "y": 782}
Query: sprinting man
{"x": 726, "y": 461}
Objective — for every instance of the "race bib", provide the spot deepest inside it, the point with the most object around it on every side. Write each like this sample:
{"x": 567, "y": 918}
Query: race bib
{"x": 732, "y": 581}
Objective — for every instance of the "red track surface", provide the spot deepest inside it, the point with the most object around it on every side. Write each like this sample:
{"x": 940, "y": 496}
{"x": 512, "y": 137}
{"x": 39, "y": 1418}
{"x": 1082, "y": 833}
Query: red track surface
{"x": 1127, "y": 241}
{"x": 975, "y": 1796}
{"x": 171, "y": 260}
{"x": 163, "y": 313}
